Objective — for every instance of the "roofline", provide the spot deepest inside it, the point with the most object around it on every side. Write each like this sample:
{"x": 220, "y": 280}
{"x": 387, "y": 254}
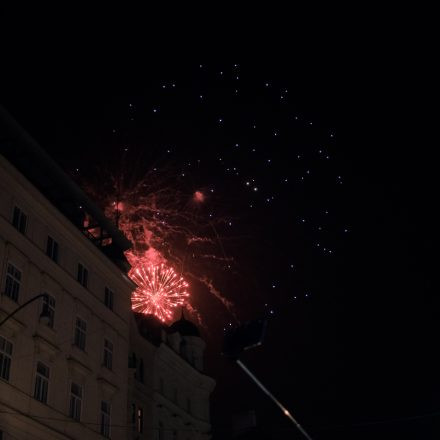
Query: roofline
{"x": 21, "y": 136}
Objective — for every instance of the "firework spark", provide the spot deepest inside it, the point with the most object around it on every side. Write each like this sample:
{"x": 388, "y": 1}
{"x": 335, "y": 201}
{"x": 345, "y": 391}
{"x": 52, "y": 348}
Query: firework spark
{"x": 167, "y": 229}
{"x": 199, "y": 197}
{"x": 159, "y": 290}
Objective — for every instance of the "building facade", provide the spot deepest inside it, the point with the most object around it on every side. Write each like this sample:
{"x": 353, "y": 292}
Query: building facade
{"x": 76, "y": 363}
{"x": 168, "y": 391}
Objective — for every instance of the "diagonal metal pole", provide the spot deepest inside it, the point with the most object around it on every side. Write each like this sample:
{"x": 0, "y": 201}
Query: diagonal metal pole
{"x": 274, "y": 399}
{"x": 41, "y": 295}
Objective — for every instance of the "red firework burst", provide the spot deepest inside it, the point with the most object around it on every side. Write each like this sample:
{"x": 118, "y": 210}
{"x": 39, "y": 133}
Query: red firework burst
{"x": 159, "y": 290}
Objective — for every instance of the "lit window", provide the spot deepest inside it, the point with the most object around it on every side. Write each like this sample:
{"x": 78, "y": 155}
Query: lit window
{"x": 140, "y": 420}
{"x": 108, "y": 298}
{"x": 19, "y": 220}
{"x": 75, "y": 401}
{"x": 105, "y": 419}
{"x": 108, "y": 354}
{"x": 5, "y": 358}
{"x": 80, "y": 333}
{"x": 83, "y": 275}
{"x": 52, "y": 249}
{"x": 13, "y": 280}
{"x": 41, "y": 382}
{"x": 49, "y": 308}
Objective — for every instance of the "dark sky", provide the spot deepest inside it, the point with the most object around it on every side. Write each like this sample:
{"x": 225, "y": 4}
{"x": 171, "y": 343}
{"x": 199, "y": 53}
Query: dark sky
{"x": 351, "y": 334}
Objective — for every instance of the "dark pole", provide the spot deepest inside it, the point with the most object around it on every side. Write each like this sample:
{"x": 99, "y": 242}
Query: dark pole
{"x": 247, "y": 336}
{"x": 22, "y": 306}
{"x": 274, "y": 399}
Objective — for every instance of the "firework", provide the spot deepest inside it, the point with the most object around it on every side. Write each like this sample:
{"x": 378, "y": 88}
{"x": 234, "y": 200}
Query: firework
{"x": 199, "y": 197}
{"x": 160, "y": 290}
{"x": 166, "y": 227}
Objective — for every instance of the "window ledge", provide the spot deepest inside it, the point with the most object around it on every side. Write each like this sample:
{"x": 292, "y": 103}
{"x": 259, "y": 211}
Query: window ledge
{"x": 42, "y": 344}
{"x": 78, "y": 365}
{"x": 108, "y": 387}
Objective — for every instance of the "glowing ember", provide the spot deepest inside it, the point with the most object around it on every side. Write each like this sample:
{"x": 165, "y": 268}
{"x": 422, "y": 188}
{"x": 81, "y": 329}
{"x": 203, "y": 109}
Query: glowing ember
{"x": 199, "y": 197}
{"x": 159, "y": 290}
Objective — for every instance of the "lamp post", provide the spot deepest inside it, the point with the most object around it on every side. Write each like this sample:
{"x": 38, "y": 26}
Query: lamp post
{"x": 44, "y": 314}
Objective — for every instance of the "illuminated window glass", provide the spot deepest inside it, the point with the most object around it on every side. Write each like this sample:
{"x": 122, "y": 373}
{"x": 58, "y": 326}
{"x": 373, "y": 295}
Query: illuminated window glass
{"x": 140, "y": 420}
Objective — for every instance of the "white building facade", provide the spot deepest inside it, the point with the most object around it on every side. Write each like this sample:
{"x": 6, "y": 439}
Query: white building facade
{"x": 168, "y": 391}
{"x": 64, "y": 377}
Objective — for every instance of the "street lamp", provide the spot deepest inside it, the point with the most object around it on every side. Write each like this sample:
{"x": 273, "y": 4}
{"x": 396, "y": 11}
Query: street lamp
{"x": 44, "y": 315}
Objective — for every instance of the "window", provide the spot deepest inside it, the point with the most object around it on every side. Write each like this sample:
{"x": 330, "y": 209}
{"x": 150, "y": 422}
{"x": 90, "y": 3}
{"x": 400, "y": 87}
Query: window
{"x": 108, "y": 354}
{"x": 132, "y": 361}
{"x": 133, "y": 413}
{"x": 13, "y": 280}
{"x": 5, "y": 358}
{"x": 49, "y": 308}
{"x": 80, "y": 333}
{"x": 140, "y": 420}
{"x": 105, "y": 419}
{"x": 175, "y": 395}
{"x": 161, "y": 431}
{"x": 188, "y": 405}
{"x": 161, "y": 386}
{"x": 41, "y": 382}
{"x": 52, "y": 249}
{"x": 108, "y": 298}
{"x": 83, "y": 275}
{"x": 139, "y": 375}
{"x": 19, "y": 220}
{"x": 75, "y": 401}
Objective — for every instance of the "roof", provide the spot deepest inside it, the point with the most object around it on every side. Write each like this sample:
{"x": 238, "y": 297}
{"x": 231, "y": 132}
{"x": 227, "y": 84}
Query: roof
{"x": 150, "y": 327}
{"x": 184, "y": 327}
{"x": 45, "y": 174}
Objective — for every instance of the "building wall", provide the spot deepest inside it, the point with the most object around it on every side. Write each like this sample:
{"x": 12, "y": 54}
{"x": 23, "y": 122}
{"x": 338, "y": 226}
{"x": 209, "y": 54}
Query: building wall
{"x": 174, "y": 394}
{"x": 33, "y": 341}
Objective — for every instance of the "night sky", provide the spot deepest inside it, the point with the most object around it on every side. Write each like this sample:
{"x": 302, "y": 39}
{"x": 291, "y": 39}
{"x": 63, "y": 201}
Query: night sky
{"x": 325, "y": 205}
